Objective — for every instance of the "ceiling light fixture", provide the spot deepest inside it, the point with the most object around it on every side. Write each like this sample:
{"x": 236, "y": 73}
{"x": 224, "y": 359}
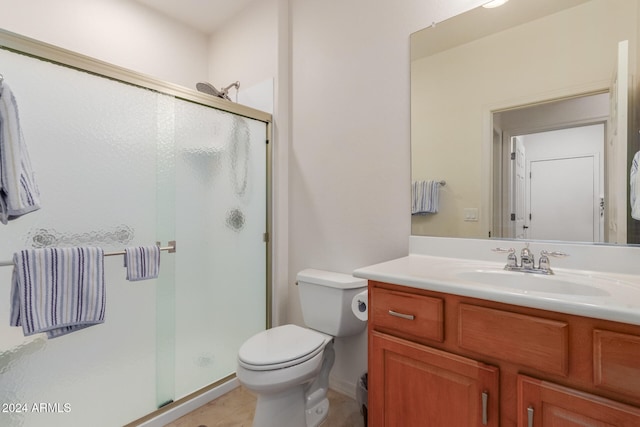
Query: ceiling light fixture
{"x": 494, "y": 3}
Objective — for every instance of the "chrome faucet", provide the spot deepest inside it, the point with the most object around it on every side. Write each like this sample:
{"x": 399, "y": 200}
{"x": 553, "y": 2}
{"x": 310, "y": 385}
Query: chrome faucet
{"x": 527, "y": 260}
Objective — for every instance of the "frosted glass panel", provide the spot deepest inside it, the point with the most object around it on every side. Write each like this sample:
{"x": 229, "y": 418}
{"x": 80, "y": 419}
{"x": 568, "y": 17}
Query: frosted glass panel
{"x": 165, "y": 286}
{"x": 117, "y": 166}
{"x": 220, "y": 221}
{"x": 92, "y": 144}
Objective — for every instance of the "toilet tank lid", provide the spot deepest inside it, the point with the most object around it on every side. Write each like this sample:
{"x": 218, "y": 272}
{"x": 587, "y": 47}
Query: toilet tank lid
{"x": 331, "y": 279}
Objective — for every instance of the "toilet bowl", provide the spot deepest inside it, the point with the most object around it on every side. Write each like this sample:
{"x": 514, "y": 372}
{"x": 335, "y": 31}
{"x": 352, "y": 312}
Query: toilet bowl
{"x": 281, "y": 375}
{"x": 288, "y": 366}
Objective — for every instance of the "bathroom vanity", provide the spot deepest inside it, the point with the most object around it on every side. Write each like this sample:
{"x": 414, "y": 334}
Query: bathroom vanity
{"x": 447, "y": 349}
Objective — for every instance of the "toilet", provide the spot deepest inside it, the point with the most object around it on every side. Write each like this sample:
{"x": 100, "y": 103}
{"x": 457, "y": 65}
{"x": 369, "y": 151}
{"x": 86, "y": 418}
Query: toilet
{"x": 288, "y": 366}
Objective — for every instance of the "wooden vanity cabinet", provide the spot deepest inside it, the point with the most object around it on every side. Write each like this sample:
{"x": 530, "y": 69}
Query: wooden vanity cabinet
{"x": 441, "y": 360}
{"x": 542, "y": 403}
{"x": 423, "y": 386}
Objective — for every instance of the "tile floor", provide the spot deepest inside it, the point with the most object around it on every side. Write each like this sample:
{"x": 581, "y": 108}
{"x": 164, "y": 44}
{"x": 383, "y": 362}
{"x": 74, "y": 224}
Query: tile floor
{"x": 235, "y": 409}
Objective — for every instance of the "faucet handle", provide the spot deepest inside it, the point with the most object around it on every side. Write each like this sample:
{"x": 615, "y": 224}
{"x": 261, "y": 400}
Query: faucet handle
{"x": 504, "y": 250}
{"x": 556, "y": 254}
{"x": 543, "y": 262}
{"x": 512, "y": 260}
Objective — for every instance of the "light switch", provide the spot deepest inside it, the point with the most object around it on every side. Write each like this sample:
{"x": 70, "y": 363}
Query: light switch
{"x": 470, "y": 214}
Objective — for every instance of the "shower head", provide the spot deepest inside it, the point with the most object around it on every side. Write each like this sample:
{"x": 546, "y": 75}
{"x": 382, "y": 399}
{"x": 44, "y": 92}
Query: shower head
{"x": 208, "y": 88}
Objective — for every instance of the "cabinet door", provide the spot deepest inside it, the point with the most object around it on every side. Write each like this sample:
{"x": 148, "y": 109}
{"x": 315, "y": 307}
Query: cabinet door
{"x": 413, "y": 385}
{"x": 544, "y": 404}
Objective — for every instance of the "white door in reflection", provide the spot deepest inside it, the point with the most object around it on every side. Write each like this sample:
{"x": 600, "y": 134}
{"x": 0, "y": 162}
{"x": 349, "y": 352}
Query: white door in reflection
{"x": 564, "y": 184}
{"x": 563, "y": 200}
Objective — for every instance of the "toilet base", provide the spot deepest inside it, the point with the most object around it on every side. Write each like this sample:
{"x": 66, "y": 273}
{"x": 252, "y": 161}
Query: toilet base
{"x": 288, "y": 409}
{"x": 317, "y": 403}
{"x": 316, "y": 415}
{"x": 281, "y": 409}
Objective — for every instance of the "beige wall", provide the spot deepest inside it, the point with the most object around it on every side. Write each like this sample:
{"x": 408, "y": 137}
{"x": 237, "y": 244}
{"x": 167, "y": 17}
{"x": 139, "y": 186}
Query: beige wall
{"x": 459, "y": 86}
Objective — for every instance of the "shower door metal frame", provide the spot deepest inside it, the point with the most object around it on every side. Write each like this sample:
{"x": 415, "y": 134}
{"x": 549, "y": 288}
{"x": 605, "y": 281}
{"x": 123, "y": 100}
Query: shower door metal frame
{"x": 30, "y": 47}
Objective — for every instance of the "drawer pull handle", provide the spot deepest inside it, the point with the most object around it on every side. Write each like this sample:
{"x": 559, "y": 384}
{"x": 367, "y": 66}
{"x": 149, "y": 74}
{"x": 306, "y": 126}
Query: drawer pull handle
{"x": 530, "y": 416}
{"x": 485, "y": 400}
{"x": 402, "y": 315}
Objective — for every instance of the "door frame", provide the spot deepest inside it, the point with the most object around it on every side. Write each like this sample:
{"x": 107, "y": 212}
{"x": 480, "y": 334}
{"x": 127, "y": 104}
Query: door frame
{"x": 495, "y": 214}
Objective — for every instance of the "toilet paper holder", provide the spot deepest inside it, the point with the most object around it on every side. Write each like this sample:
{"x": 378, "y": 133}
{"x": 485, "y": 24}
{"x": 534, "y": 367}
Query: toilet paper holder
{"x": 360, "y": 305}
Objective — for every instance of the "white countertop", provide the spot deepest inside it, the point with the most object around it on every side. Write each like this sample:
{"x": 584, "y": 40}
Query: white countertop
{"x": 601, "y": 295}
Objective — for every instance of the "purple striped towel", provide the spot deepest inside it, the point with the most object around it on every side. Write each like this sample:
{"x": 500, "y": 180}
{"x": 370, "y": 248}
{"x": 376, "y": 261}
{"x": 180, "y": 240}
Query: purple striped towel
{"x": 19, "y": 192}
{"x": 57, "y": 290}
{"x": 142, "y": 262}
{"x": 424, "y": 197}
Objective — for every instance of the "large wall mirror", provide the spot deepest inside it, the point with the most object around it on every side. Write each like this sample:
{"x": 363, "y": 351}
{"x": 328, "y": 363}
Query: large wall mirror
{"x": 523, "y": 123}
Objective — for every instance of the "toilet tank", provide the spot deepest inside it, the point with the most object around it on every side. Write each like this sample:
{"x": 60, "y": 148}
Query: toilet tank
{"x": 326, "y": 297}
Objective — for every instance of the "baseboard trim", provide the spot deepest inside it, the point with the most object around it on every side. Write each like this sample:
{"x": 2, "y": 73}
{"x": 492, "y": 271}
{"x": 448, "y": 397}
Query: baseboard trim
{"x": 339, "y": 385}
{"x": 344, "y": 387}
{"x": 190, "y": 405}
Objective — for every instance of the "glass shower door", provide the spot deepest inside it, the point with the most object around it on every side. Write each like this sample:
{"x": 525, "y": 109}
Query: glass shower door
{"x": 220, "y": 221}
{"x": 119, "y": 165}
{"x": 92, "y": 143}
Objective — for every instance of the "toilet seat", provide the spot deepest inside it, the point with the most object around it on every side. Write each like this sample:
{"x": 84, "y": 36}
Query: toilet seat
{"x": 280, "y": 347}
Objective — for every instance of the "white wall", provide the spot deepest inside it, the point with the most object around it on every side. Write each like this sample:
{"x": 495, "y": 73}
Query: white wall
{"x": 121, "y": 32}
{"x": 252, "y": 48}
{"x": 245, "y": 48}
{"x": 349, "y": 168}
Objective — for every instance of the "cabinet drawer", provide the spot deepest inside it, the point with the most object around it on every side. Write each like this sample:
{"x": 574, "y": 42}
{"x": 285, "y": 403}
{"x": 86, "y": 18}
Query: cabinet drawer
{"x": 407, "y": 315}
{"x": 525, "y": 340}
{"x": 616, "y": 361}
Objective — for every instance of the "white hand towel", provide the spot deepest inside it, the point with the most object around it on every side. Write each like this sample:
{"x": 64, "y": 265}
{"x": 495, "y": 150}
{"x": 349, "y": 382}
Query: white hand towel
{"x": 19, "y": 193}
{"x": 142, "y": 262}
{"x": 57, "y": 290}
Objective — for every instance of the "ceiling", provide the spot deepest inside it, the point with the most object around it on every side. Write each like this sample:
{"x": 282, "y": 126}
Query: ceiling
{"x": 203, "y": 15}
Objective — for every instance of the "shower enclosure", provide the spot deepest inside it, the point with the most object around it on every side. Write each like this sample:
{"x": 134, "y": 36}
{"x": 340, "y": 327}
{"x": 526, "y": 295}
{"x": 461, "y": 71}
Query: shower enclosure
{"x": 124, "y": 160}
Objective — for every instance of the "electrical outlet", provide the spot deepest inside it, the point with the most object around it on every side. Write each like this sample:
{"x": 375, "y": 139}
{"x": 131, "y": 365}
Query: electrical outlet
{"x": 470, "y": 214}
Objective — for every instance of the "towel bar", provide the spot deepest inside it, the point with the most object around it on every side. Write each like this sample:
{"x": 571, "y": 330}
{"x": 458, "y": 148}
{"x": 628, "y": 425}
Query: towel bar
{"x": 171, "y": 249}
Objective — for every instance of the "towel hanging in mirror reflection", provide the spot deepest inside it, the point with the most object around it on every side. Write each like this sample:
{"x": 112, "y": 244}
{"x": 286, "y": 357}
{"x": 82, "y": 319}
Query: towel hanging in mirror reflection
{"x": 424, "y": 196}
{"x": 634, "y": 187}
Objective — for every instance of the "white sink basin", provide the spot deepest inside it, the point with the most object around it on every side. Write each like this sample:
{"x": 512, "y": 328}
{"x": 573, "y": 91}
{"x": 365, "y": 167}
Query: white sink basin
{"x": 597, "y": 294}
{"x": 530, "y": 282}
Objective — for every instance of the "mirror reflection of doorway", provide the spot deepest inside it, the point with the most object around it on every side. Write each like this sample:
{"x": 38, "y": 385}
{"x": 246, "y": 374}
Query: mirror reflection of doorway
{"x": 552, "y": 173}
{"x": 564, "y": 185}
